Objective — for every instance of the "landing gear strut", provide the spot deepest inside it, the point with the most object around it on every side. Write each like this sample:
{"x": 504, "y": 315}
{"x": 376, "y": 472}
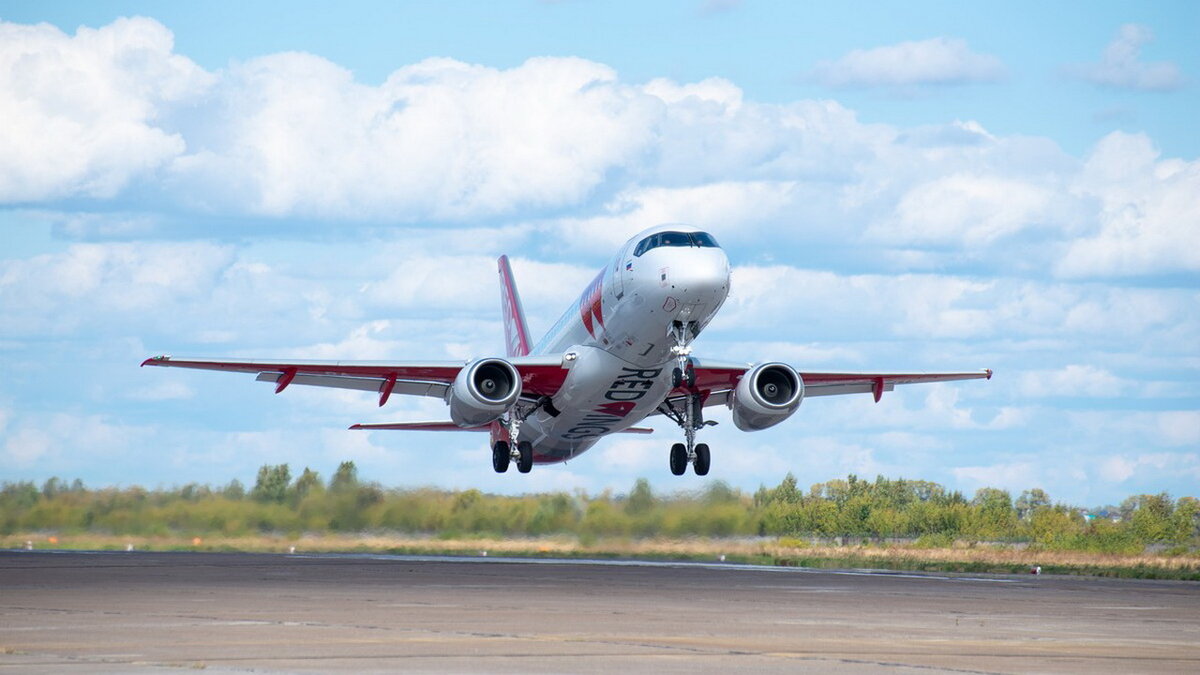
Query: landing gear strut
{"x": 688, "y": 411}
{"x": 682, "y": 334}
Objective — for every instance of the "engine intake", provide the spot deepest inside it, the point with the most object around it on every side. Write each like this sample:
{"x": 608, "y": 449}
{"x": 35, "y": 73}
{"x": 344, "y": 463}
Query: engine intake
{"x": 766, "y": 395}
{"x": 483, "y": 391}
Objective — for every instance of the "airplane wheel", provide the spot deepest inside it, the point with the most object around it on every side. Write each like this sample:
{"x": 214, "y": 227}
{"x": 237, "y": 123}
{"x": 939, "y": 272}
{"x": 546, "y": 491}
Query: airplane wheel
{"x": 525, "y": 463}
{"x": 676, "y": 378}
{"x": 500, "y": 456}
{"x": 691, "y": 376}
{"x": 703, "y": 460}
{"x": 678, "y": 459}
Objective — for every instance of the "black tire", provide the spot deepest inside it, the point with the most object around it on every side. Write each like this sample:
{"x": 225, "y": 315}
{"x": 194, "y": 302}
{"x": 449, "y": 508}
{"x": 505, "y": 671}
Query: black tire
{"x": 678, "y": 459}
{"x": 691, "y": 376}
{"x": 525, "y": 462}
{"x": 500, "y": 456}
{"x": 676, "y": 378}
{"x": 703, "y": 460}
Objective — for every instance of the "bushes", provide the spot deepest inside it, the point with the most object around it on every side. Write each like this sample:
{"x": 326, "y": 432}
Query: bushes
{"x": 852, "y": 507}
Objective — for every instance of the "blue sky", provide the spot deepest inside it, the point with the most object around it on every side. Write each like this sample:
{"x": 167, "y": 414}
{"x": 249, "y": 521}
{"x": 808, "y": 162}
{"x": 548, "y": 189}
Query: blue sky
{"x": 927, "y": 187}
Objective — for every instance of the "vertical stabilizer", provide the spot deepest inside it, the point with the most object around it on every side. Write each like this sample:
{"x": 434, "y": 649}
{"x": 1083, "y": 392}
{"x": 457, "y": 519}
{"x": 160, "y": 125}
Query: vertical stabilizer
{"x": 516, "y": 331}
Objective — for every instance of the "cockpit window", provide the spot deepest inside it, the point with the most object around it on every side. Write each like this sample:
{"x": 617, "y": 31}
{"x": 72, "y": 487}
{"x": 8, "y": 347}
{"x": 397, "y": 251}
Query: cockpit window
{"x": 697, "y": 239}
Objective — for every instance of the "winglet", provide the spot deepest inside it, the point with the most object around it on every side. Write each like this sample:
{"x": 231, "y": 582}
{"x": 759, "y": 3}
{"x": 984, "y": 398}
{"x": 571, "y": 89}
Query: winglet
{"x": 989, "y": 373}
{"x": 155, "y": 360}
{"x": 516, "y": 331}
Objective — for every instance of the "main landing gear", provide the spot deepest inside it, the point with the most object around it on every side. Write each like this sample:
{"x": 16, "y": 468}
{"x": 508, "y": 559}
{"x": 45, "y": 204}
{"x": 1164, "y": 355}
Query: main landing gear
{"x": 689, "y": 413}
{"x": 504, "y": 452}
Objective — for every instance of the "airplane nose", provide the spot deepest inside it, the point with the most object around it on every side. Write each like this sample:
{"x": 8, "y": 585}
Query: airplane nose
{"x": 702, "y": 277}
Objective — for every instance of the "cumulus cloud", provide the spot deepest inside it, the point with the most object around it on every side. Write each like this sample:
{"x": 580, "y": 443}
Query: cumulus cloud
{"x": 968, "y": 209}
{"x": 936, "y": 61}
{"x": 81, "y": 113}
{"x": 1149, "y": 212}
{"x": 1120, "y": 65}
{"x": 440, "y": 138}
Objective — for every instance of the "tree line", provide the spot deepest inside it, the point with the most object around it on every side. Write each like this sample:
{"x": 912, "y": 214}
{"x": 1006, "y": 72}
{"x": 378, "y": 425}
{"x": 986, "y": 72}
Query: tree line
{"x": 882, "y": 509}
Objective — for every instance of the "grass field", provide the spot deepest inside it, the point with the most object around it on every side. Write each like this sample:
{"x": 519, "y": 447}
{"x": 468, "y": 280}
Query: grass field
{"x": 978, "y": 558}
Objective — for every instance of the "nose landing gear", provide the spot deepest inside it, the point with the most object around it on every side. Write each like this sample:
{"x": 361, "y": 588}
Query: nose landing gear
{"x": 682, "y": 333}
{"x": 691, "y": 417}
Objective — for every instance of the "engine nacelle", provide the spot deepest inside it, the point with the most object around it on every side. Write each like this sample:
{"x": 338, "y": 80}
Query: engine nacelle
{"x": 765, "y": 396}
{"x": 483, "y": 391}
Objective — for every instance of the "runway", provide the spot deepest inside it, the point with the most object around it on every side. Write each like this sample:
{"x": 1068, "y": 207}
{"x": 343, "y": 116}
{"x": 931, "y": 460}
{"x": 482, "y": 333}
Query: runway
{"x": 147, "y": 612}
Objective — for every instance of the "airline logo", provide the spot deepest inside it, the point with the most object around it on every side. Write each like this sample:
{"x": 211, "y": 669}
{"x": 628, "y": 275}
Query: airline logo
{"x": 621, "y": 398}
{"x": 591, "y": 308}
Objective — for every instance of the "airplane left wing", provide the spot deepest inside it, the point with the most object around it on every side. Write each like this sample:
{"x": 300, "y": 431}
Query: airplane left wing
{"x": 540, "y": 375}
{"x": 715, "y": 381}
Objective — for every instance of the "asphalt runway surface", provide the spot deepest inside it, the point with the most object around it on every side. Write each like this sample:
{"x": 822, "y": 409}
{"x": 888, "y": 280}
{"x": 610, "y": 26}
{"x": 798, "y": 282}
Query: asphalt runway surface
{"x": 139, "y": 612}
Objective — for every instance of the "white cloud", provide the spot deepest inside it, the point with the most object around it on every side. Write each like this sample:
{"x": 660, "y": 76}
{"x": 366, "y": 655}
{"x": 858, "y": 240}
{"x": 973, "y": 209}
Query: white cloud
{"x": 81, "y": 112}
{"x": 1148, "y": 466}
{"x": 1179, "y": 427}
{"x": 26, "y": 447}
{"x": 1011, "y": 476}
{"x": 1120, "y": 65}
{"x": 714, "y": 90}
{"x": 1073, "y": 380}
{"x": 798, "y": 304}
{"x": 55, "y": 292}
{"x": 1149, "y": 216}
{"x": 936, "y": 61}
{"x": 438, "y": 139}
{"x": 972, "y": 210}
{"x": 733, "y": 208}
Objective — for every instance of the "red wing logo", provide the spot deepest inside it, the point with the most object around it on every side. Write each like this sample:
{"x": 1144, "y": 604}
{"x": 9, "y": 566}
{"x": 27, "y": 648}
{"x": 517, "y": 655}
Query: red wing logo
{"x": 591, "y": 305}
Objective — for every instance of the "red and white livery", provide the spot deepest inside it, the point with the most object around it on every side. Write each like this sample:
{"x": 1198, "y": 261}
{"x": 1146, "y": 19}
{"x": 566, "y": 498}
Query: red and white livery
{"x": 621, "y": 353}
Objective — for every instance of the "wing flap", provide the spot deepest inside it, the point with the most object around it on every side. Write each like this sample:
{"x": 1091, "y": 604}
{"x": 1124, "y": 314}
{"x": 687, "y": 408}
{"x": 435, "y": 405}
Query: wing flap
{"x": 371, "y": 384}
{"x": 838, "y": 389}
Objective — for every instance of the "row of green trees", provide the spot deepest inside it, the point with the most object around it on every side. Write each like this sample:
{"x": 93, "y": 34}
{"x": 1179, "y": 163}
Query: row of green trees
{"x": 879, "y": 509}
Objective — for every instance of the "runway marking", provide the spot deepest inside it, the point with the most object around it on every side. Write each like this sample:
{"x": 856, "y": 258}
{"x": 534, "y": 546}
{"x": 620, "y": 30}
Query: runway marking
{"x": 644, "y": 563}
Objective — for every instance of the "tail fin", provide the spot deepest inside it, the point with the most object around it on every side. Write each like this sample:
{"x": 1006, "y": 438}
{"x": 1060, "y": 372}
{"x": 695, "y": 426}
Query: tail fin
{"x": 516, "y": 331}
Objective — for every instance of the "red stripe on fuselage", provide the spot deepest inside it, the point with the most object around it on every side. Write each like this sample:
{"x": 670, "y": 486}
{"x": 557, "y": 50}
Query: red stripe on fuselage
{"x": 591, "y": 309}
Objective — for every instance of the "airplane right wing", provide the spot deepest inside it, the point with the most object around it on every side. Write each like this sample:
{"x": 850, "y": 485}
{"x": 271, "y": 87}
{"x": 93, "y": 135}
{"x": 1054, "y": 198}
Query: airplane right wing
{"x": 540, "y": 375}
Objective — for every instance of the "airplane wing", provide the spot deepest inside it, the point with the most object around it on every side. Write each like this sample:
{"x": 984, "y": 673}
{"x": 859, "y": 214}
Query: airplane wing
{"x": 451, "y": 426}
{"x": 715, "y": 381}
{"x": 540, "y": 375}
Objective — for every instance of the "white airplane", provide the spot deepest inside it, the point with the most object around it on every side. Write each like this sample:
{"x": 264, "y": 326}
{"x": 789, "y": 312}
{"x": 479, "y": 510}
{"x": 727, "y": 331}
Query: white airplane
{"x": 623, "y": 352}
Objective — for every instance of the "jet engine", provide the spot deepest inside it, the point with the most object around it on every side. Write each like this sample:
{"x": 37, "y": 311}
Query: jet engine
{"x": 765, "y": 396}
{"x": 482, "y": 391}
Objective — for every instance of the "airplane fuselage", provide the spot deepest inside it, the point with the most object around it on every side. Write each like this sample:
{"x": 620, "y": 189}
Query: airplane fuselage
{"x": 617, "y": 337}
